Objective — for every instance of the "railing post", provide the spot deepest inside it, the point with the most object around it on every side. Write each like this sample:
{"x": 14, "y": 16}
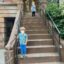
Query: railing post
{"x": 60, "y": 49}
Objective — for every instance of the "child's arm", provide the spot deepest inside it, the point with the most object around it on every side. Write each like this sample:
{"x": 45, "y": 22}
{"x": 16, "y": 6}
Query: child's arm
{"x": 26, "y": 39}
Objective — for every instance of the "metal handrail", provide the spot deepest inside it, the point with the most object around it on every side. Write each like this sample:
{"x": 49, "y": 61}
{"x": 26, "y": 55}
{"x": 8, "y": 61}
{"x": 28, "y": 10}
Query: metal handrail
{"x": 56, "y": 41}
{"x": 54, "y": 23}
{"x": 54, "y": 31}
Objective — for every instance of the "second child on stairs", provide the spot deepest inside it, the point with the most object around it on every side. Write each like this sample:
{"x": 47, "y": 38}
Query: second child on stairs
{"x": 33, "y": 9}
{"x": 23, "y": 38}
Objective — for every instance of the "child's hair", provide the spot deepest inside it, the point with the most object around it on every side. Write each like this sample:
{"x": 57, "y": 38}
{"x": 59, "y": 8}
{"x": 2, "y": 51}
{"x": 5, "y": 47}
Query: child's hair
{"x": 22, "y": 28}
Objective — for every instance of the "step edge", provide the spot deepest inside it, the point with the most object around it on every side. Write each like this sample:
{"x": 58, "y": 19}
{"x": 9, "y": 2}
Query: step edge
{"x": 40, "y": 46}
{"x": 36, "y": 55}
{"x": 48, "y": 63}
{"x": 39, "y": 39}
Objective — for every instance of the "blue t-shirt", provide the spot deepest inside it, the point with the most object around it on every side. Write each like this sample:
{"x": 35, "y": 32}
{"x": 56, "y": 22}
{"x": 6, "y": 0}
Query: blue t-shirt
{"x": 22, "y": 38}
{"x": 33, "y": 8}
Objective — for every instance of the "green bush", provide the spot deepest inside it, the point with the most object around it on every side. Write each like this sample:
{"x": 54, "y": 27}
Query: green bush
{"x": 56, "y": 13}
{"x": 60, "y": 25}
{"x": 53, "y": 10}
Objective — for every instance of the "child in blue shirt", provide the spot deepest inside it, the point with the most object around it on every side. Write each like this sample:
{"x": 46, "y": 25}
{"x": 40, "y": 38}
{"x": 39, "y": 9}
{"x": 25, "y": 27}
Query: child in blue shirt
{"x": 23, "y": 38}
{"x": 33, "y": 9}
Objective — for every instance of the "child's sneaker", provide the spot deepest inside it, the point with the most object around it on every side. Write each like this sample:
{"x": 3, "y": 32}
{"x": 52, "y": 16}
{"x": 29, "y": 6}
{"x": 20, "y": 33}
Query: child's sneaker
{"x": 24, "y": 56}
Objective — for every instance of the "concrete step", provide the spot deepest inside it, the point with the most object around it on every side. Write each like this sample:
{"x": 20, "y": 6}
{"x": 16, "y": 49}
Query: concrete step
{"x": 32, "y": 21}
{"x": 33, "y": 24}
{"x": 40, "y": 58}
{"x": 46, "y": 63}
{"x": 38, "y": 55}
{"x": 39, "y": 36}
{"x": 40, "y": 49}
{"x": 37, "y": 29}
{"x": 40, "y": 42}
{"x": 30, "y": 25}
{"x": 39, "y": 39}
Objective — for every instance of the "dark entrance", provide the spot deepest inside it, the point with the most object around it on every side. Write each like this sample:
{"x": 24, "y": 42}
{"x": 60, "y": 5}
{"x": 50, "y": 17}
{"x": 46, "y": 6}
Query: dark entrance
{"x": 9, "y": 22}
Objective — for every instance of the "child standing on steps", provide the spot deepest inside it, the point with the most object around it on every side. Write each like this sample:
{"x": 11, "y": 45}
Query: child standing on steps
{"x": 33, "y": 9}
{"x": 23, "y": 38}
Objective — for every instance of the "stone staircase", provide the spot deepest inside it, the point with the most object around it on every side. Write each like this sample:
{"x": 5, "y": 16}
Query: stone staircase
{"x": 40, "y": 48}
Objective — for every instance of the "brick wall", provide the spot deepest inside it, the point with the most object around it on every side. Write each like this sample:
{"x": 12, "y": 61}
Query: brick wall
{"x": 11, "y": 0}
{"x": 1, "y": 0}
{"x": 8, "y": 0}
{"x": 2, "y": 32}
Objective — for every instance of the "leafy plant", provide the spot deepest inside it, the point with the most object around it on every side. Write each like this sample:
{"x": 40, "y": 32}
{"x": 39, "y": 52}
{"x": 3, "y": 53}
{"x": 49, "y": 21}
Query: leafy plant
{"x": 62, "y": 8}
{"x": 53, "y": 9}
{"x": 60, "y": 26}
{"x": 58, "y": 17}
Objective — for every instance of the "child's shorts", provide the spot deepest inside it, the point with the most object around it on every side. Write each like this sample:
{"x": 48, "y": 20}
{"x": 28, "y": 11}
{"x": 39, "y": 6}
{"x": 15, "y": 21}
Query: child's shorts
{"x": 23, "y": 49}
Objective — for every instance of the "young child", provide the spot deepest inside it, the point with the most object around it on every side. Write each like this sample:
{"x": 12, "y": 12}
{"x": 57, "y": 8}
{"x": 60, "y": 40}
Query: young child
{"x": 33, "y": 9}
{"x": 23, "y": 38}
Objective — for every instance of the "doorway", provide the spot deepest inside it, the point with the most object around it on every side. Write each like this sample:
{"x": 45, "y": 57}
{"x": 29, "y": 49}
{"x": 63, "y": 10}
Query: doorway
{"x": 9, "y": 22}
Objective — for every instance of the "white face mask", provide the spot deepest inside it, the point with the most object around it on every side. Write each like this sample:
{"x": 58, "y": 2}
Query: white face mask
{"x": 22, "y": 32}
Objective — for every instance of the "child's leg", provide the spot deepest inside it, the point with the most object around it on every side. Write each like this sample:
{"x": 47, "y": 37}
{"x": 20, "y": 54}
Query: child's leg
{"x": 32, "y": 13}
{"x": 23, "y": 49}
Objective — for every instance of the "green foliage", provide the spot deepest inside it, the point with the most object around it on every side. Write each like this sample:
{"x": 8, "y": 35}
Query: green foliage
{"x": 57, "y": 15}
{"x": 62, "y": 8}
{"x": 60, "y": 25}
{"x": 53, "y": 10}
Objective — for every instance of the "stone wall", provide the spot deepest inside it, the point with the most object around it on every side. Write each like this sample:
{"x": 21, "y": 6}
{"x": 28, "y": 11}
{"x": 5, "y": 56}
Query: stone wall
{"x": 13, "y": 1}
{"x": 2, "y": 56}
{"x": 1, "y": 0}
{"x": 6, "y": 56}
{"x": 2, "y": 32}
{"x": 9, "y": 57}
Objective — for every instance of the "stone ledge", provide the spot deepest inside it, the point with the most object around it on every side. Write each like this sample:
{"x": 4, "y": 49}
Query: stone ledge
{"x": 62, "y": 42}
{"x": 1, "y": 45}
{"x": 8, "y": 3}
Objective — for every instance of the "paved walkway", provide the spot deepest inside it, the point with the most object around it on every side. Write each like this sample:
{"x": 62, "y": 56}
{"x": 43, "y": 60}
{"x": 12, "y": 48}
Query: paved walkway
{"x": 2, "y": 59}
